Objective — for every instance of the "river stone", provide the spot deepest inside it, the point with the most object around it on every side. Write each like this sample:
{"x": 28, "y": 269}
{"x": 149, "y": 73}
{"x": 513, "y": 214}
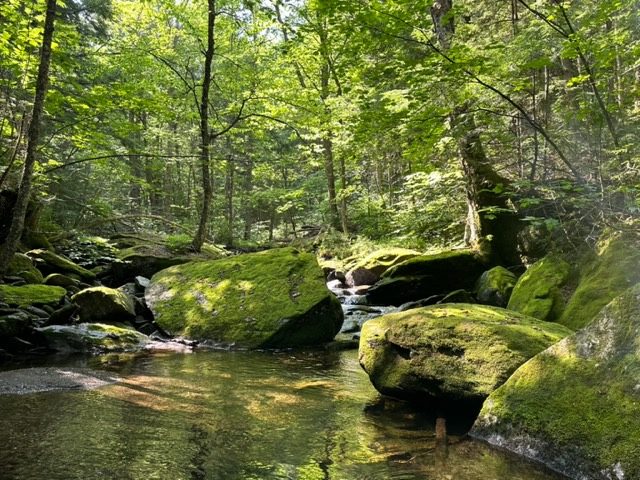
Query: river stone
{"x": 368, "y": 270}
{"x": 538, "y": 291}
{"x": 61, "y": 280}
{"x": 104, "y": 305}
{"x": 92, "y": 338}
{"x": 26, "y": 295}
{"x": 614, "y": 268}
{"x": 271, "y": 299}
{"x": 576, "y": 406}
{"x": 427, "y": 275}
{"x": 54, "y": 263}
{"x": 22, "y": 266}
{"x": 494, "y": 287}
{"x": 14, "y": 323}
{"x": 451, "y": 352}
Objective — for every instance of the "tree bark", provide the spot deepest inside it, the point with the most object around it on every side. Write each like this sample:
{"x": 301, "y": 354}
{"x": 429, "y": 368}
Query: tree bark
{"x": 33, "y": 139}
{"x": 205, "y": 133}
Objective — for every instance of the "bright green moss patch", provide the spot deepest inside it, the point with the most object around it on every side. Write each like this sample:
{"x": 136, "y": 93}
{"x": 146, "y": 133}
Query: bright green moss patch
{"x": 434, "y": 264}
{"x": 104, "y": 305}
{"x": 268, "y": 299}
{"x": 576, "y": 406}
{"x": 451, "y": 351}
{"x": 381, "y": 260}
{"x": 494, "y": 286}
{"x": 26, "y": 295}
{"x": 615, "y": 268}
{"x": 537, "y": 292}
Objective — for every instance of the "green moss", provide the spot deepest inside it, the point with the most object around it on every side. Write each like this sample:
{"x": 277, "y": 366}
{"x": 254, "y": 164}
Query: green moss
{"x": 537, "y": 292}
{"x": 381, "y": 260}
{"x": 104, "y": 305}
{"x": 272, "y": 298}
{"x": 450, "y": 351}
{"x": 578, "y": 403}
{"x": 26, "y": 295}
{"x": 92, "y": 338}
{"x": 438, "y": 263}
{"x": 494, "y": 286}
{"x": 22, "y": 266}
{"x": 54, "y": 262}
{"x": 615, "y": 268}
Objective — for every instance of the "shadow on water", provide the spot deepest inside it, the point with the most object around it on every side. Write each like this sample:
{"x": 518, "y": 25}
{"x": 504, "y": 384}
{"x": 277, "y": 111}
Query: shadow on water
{"x": 239, "y": 415}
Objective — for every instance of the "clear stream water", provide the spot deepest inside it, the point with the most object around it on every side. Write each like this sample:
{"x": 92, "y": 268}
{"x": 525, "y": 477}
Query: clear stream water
{"x": 237, "y": 415}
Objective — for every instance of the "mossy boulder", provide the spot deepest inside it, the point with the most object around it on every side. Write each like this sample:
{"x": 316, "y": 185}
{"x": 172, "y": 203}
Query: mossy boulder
{"x": 538, "y": 292}
{"x": 60, "y": 280}
{"x": 450, "y": 353}
{"x": 22, "y": 266}
{"x": 50, "y": 262}
{"x": 104, "y": 305}
{"x": 614, "y": 268}
{"x": 26, "y": 295}
{"x": 92, "y": 338}
{"x": 427, "y": 275}
{"x": 270, "y": 299}
{"x": 576, "y": 406}
{"x": 368, "y": 270}
{"x": 494, "y": 287}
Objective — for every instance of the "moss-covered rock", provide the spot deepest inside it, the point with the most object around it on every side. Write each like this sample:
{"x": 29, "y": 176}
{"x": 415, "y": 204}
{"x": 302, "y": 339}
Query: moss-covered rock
{"x": 14, "y": 323}
{"x": 451, "y": 352}
{"x": 22, "y": 266}
{"x": 270, "y": 299}
{"x": 92, "y": 338}
{"x": 104, "y": 305}
{"x": 614, "y": 268}
{"x": 494, "y": 287}
{"x": 427, "y": 275}
{"x": 576, "y": 406}
{"x": 538, "y": 291}
{"x": 60, "y": 280}
{"x": 50, "y": 262}
{"x": 368, "y": 270}
{"x": 26, "y": 295}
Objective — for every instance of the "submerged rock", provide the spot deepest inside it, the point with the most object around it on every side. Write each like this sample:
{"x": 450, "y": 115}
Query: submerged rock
{"x": 450, "y": 352}
{"x": 27, "y": 381}
{"x": 494, "y": 287}
{"x": 614, "y": 268}
{"x": 104, "y": 305}
{"x": 538, "y": 291}
{"x": 576, "y": 406}
{"x": 92, "y": 338}
{"x": 368, "y": 270}
{"x": 427, "y": 275}
{"x": 26, "y": 295}
{"x": 271, "y": 299}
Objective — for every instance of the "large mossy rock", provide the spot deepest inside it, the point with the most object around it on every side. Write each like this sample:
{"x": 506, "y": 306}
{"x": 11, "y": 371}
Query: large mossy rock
{"x": 104, "y": 305}
{"x": 22, "y": 266}
{"x": 92, "y": 338}
{"x": 27, "y": 295}
{"x": 494, "y": 287}
{"x": 576, "y": 406}
{"x": 450, "y": 353}
{"x": 368, "y": 270}
{"x": 427, "y": 275}
{"x": 538, "y": 292}
{"x": 270, "y": 299}
{"x": 614, "y": 268}
{"x": 50, "y": 262}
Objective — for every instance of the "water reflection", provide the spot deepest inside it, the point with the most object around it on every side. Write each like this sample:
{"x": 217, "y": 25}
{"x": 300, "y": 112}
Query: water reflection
{"x": 302, "y": 416}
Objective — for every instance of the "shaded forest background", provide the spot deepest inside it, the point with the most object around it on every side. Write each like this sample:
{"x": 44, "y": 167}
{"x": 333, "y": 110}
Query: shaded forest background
{"x": 256, "y": 122}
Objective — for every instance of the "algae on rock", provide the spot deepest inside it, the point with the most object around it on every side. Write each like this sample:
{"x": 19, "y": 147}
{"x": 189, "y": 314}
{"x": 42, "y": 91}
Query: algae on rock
{"x": 576, "y": 406}
{"x": 450, "y": 352}
{"x": 276, "y": 298}
{"x": 26, "y": 295}
{"x": 537, "y": 292}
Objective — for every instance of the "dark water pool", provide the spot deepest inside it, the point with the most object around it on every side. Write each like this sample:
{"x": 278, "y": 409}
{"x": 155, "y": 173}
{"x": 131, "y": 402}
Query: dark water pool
{"x": 228, "y": 416}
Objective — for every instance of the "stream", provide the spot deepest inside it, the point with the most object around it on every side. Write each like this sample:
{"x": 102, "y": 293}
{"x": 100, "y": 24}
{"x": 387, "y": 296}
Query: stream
{"x": 302, "y": 415}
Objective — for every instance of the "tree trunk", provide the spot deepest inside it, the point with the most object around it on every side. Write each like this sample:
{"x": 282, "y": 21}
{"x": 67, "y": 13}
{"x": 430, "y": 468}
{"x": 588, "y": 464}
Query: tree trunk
{"x": 33, "y": 139}
{"x": 229, "y": 190}
{"x": 205, "y": 133}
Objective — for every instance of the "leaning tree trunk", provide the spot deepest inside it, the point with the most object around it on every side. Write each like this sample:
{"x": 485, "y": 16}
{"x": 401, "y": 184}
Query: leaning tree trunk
{"x": 490, "y": 217}
{"x": 33, "y": 139}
